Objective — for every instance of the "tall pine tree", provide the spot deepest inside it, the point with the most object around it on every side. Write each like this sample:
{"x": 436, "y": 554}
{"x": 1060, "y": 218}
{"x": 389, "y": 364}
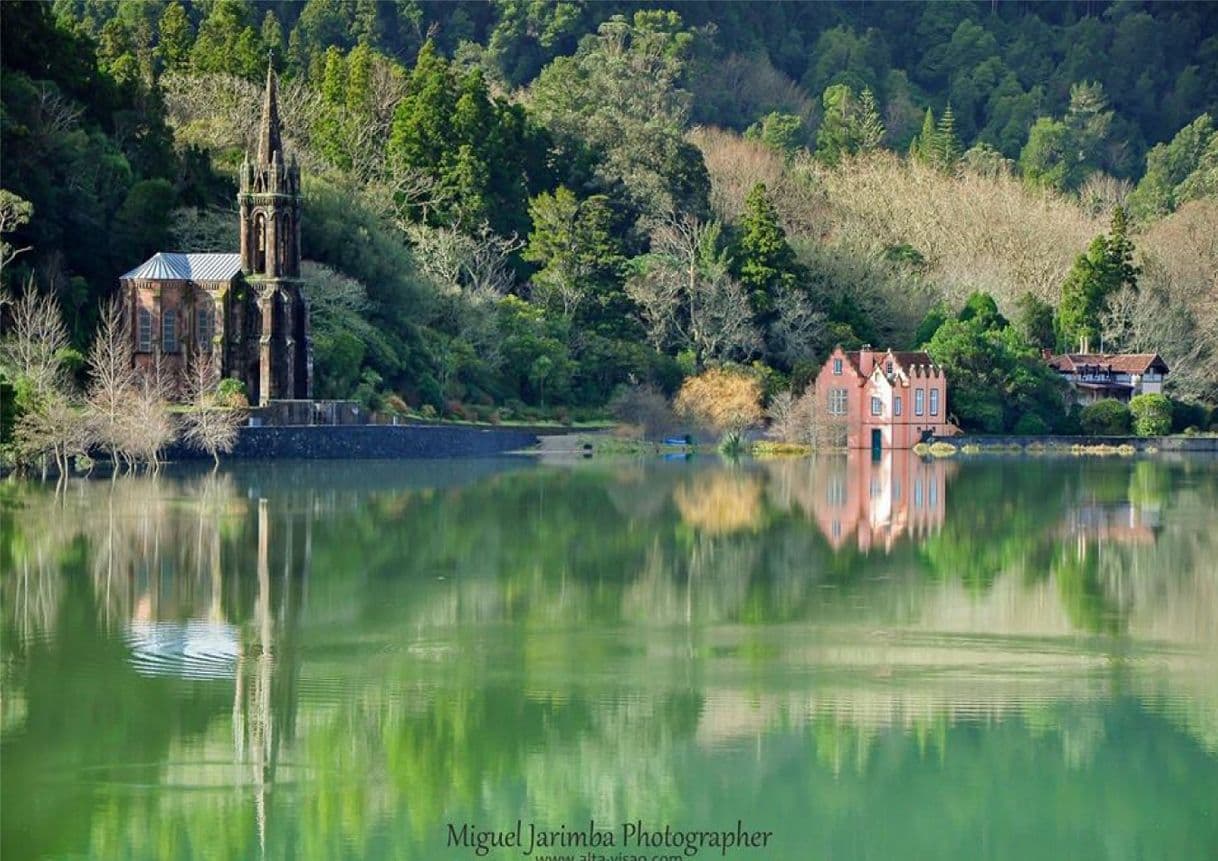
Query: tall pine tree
{"x": 871, "y": 126}
{"x": 925, "y": 142}
{"x": 764, "y": 261}
{"x": 947, "y": 144}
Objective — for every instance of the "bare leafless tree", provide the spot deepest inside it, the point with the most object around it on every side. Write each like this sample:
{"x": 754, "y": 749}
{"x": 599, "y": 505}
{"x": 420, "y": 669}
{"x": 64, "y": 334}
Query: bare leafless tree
{"x": 209, "y": 425}
{"x": 686, "y": 294}
{"x": 805, "y": 420}
{"x": 799, "y": 328}
{"x": 150, "y": 425}
{"x": 54, "y": 426}
{"x": 112, "y": 380}
{"x": 33, "y": 348}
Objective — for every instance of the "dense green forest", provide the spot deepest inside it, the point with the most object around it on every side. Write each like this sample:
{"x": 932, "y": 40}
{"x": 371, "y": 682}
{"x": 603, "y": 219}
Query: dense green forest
{"x": 519, "y": 207}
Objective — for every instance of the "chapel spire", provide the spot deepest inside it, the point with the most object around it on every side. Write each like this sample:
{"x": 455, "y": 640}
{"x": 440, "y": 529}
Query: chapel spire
{"x": 269, "y": 143}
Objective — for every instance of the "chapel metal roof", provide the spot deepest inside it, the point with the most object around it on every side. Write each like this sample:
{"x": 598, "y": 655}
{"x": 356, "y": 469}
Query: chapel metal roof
{"x": 172, "y": 266}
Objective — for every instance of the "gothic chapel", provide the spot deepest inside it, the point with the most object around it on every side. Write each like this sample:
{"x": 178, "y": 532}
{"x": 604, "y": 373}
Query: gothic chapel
{"x": 247, "y": 307}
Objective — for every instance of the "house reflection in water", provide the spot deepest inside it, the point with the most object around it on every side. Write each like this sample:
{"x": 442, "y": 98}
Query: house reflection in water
{"x": 874, "y": 502}
{"x": 1118, "y": 523}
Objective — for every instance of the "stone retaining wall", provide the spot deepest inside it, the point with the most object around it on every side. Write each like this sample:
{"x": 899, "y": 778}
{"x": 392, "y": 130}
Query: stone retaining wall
{"x": 370, "y": 441}
{"x": 1158, "y": 443}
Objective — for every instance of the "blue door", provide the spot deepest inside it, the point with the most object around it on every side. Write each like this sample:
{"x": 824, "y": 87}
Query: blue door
{"x": 877, "y": 443}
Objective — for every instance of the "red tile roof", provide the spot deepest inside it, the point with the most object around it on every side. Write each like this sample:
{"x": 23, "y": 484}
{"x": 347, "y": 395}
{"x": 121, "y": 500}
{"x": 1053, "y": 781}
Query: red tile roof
{"x": 1122, "y": 363}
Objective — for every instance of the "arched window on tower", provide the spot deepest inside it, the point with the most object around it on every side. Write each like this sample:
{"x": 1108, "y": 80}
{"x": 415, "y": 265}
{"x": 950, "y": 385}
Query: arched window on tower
{"x": 260, "y": 242}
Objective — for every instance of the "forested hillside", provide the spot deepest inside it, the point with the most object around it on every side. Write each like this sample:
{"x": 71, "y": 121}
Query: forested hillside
{"x": 521, "y": 206}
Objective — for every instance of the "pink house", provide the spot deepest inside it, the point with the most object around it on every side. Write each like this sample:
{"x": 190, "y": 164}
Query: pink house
{"x": 886, "y": 399}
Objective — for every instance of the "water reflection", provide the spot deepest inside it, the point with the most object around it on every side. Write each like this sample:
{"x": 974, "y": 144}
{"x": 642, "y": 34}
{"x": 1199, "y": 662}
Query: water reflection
{"x": 872, "y": 502}
{"x": 295, "y": 661}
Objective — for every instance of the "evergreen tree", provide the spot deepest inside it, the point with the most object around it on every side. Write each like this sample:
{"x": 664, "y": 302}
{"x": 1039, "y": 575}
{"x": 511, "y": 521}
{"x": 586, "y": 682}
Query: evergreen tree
{"x": 272, "y": 37}
{"x": 366, "y": 26}
{"x": 947, "y": 145}
{"x": 227, "y": 43}
{"x": 1103, "y": 270}
{"x": 778, "y": 131}
{"x": 764, "y": 261}
{"x": 1120, "y": 251}
{"x": 871, "y": 125}
{"x": 1035, "y": 321}
{"x": 839, "y": 133}
{"x": 175, "y": 36}
{"x": 578, "y": 250}
{"x": 925, "y": 143}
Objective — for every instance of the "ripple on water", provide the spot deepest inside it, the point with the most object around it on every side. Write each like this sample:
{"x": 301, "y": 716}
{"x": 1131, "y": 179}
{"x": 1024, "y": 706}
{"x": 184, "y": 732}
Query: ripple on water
{"x": 196, "y": 649}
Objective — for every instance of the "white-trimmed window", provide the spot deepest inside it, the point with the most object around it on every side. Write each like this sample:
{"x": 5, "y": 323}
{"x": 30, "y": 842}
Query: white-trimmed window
{"x": 837, "y": 402}
{"x": 205, "y": 327}
{"x": 934, "y": 402}
{"x": 169, "y": 331}
{"x": 143, "y": 330}
{"x": 888, "y": 368}
{"x": 837, "y": 367}
{"x": 919, "y": 401}
{"x": 877, "y": 406}
{"x": 896, "y": 405}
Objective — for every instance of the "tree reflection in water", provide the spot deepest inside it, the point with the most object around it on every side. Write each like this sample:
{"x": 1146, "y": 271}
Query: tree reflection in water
{"x": 342, "y": 660}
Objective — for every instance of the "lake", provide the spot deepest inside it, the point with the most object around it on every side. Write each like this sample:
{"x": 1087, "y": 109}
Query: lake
{"x": 1003, "y": 658}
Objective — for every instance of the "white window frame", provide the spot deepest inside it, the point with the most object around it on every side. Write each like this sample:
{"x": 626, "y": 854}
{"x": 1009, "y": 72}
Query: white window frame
{"x": 143, "y": 330}
{"x": 837, "y": 367}
{"x": 205, "y": 327}
{"x": 934, "y": 402}
{"x": 919, "y": 401}
{"x": 896, "y": 405}
{"x": 169, "y": 330}
{"x": 837, "y": 402}
{"x": 877, "y": 406}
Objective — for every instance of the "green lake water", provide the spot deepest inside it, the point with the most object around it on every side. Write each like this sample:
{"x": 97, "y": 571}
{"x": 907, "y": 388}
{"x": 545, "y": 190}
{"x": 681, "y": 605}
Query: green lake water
{"x": 989, "y": 659}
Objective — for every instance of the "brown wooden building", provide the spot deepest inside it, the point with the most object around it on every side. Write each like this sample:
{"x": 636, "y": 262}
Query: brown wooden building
{"x": 247, "y": 307}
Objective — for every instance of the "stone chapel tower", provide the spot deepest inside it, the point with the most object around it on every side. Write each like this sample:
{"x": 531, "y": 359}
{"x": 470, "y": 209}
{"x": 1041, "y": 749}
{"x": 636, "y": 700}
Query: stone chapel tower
{"x": 279, "y": 362}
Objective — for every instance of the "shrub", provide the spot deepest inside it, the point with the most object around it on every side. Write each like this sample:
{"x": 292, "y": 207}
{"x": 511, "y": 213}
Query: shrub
{"x": 231, "y": 393}
{"x": 1186, "y": 415}
{"x": 723, "y": 399}
{"x": 1031, "y": 424}
{"x": 1151, "y": 415}
{"x": 644, "y": 406}
{"x": 1105, "y": 418}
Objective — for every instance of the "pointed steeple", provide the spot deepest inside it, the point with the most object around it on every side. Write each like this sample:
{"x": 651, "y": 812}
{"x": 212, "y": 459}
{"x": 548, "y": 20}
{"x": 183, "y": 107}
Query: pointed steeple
{"x": 269, "y": 144}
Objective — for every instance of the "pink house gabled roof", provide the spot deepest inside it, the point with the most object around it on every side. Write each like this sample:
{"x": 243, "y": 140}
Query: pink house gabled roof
{"x": 904, "y": 360}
